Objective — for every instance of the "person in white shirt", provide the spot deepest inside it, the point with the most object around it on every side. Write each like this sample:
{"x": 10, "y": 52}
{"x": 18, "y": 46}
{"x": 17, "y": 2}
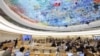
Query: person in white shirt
{"x": 20, "y": 52}
{"x": 80, "y": 53}
{"x": 70, "y": 53}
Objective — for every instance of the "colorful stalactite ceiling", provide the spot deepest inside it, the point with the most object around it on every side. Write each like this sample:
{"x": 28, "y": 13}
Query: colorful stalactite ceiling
{"x": 59, "y": 13}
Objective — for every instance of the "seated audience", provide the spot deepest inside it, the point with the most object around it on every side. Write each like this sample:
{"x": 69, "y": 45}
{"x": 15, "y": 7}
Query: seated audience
{"x": 70, "y": 46}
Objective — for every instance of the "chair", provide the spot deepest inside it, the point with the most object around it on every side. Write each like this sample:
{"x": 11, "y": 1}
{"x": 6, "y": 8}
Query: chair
{"x": 64, "y": 54}
{"x": 32, "y": 54}
{"x": 19, "y": 44}
{"x": 89, "y": 54}
{"x": 52, "y": 54}
{"x": 41, "y": 54}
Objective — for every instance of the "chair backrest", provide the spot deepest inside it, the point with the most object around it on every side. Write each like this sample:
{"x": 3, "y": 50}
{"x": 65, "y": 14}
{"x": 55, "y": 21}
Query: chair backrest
{"x": 52, "y": 54}
{"x": 41, "y": 54}
{"x": 64, "y": 54}
{"x": 32, "y": 54}
{"x": 89, "y": 54}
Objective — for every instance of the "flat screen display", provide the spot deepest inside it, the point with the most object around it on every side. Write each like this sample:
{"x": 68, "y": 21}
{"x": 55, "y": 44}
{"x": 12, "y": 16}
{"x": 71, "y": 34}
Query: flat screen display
{"x": 97, "y": 37}
{"x": 26, "y": 37}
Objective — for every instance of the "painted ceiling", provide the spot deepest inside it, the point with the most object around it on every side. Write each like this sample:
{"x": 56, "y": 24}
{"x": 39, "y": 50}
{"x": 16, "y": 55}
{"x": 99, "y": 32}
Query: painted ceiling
{"x": 57, "y": 13}
{"x": 53, "y": 15}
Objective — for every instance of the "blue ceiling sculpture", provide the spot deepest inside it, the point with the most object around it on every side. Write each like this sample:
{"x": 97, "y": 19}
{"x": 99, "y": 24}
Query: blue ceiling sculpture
{"x": 59, "y": 13}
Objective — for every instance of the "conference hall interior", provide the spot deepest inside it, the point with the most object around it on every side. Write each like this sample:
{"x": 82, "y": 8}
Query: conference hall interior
{"x": 49, "y": 27}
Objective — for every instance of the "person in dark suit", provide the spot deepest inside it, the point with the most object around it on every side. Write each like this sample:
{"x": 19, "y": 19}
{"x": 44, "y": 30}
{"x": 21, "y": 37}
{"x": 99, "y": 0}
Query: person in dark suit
{"x": 16, "y": 41}
{"x": 53, "y": 44}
